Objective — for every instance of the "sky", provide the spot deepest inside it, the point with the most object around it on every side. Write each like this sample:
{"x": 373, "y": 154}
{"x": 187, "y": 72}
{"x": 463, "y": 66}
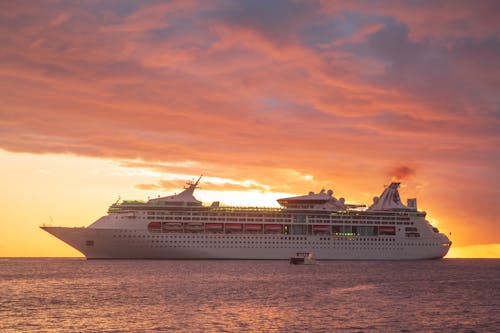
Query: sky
{"x": 100, "y": 99}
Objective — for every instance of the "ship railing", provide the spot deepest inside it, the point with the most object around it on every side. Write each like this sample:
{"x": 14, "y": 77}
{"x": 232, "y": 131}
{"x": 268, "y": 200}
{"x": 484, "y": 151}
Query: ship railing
{"x": 247, "y": 208}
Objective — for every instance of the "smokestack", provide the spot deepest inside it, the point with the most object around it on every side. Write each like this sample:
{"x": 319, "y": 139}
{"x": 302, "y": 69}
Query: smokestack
{"x": 412, "y": 203}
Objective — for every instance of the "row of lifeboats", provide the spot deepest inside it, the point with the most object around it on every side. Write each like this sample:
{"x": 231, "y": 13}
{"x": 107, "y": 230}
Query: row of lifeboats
{"x": 219, "y": 227}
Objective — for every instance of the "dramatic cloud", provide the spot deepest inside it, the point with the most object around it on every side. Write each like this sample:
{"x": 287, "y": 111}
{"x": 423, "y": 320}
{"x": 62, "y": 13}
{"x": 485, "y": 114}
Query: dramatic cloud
{"x": 292, "y": 95}
{"x": 222, "y": 185}
{"x": 401, "y": 172}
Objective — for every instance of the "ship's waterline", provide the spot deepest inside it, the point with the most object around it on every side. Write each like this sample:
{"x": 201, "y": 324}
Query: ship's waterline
{"x": 180, "y": 227}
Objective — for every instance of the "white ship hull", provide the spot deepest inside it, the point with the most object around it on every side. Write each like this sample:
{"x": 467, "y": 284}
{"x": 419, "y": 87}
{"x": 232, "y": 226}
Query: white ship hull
{"x": 96, "y": 243}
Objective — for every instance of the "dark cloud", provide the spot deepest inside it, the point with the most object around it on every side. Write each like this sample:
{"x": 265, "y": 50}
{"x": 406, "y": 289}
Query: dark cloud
{"x": 401, "y": 172}
{"x": 279, "y": 21}
{"x": 458, "y": 77}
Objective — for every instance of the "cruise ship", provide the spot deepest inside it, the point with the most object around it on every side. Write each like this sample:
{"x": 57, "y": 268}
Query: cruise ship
{"x": 181, "y": 227}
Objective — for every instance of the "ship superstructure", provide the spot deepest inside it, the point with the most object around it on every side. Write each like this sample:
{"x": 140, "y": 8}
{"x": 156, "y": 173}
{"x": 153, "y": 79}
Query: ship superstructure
{"x": 181, "y": 227}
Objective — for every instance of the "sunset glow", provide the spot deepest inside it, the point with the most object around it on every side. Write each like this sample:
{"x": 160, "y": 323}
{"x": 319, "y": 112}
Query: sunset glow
{"x": 101, "y": 100}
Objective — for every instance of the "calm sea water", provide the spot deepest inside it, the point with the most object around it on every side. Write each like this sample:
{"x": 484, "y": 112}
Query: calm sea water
{"x": 74, "y": 295}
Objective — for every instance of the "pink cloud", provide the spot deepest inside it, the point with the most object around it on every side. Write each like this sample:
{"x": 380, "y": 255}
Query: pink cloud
{"x": 276, "y": 91}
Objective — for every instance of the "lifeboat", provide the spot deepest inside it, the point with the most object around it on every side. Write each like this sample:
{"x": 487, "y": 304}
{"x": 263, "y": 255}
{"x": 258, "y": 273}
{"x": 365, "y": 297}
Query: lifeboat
{"x": 253, "y": 227}
{"x": 386, "y": 230}
{"x": 214, "y": 227}
{"x": 321, "y": 229}
{"x": 193, "y": 227}
{"x": 234, "y": 226}
{"x": 272, "y": 228}
{"x": 154, "y": 227}
{"x": 169, "y": 227}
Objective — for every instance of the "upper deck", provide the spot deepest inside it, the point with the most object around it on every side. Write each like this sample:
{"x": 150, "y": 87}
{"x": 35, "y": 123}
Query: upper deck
{"x": 323, "y": 203}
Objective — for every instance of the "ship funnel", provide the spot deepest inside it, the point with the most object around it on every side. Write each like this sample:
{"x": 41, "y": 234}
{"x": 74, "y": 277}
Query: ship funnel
{"x": 388, "y": 200}
{"x": 412, "y": 203}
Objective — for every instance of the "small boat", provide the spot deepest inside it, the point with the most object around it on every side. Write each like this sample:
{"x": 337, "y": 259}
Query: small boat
{"x": 303, "y": 258}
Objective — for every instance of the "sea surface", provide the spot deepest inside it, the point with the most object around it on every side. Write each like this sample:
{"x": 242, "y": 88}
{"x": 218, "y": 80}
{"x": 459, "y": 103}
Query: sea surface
{"x": 75, "y": 295}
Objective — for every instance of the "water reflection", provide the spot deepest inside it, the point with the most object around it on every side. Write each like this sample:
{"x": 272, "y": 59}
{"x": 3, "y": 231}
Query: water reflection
{"x": 248, "y": 296}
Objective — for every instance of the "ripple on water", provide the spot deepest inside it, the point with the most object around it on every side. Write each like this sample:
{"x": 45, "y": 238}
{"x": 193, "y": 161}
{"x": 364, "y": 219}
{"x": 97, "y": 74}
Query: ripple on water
{"x": 247, "y": 296}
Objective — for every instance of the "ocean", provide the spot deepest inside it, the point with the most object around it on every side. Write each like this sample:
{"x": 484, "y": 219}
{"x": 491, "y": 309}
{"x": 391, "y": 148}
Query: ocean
{"x": 75, "y": 295}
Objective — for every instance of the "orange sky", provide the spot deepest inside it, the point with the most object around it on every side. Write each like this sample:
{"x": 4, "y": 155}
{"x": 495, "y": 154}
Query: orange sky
{"x": 100, "y": 99}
